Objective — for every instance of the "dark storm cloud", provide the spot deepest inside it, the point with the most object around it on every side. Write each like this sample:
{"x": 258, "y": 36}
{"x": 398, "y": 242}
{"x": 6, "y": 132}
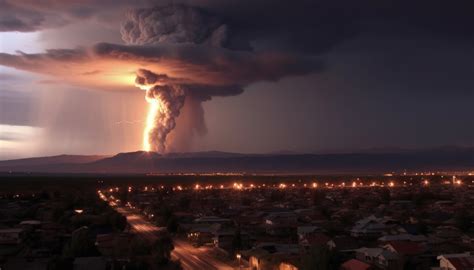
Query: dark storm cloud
{"x": 311, "y": 26}
{"x": 9, "y": 23}
{"x": 206, "y": 92}
{"x": 316, "y": 26}
{"x": 189, "y": 64}
{"x": 15, "y": 17}
{"x": 228, "y": 65}
{"x": 170, "y": 24}
{"x": 177, "y": 24}
{"x": 32, "y": 15}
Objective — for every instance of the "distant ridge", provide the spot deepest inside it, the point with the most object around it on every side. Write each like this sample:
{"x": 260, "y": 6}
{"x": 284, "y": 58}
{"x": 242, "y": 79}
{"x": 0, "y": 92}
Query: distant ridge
{"x": 51, "y": 160}
{"x": 435, "y": 159}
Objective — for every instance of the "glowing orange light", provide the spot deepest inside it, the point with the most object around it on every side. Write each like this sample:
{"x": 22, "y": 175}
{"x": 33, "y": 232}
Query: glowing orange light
{"x": 153, "y": 112}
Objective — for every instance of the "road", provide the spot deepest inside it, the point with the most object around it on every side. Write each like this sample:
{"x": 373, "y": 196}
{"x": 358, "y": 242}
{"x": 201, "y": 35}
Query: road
{"x": 192, "y": 258}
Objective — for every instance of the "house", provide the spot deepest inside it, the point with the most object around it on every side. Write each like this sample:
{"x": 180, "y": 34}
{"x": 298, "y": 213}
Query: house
{"x": 369, "y": 227}
{"x": 379, "y": 257}
{"x": 202, "y": 235}
{"x": 288, "y": 264}
{"x": 89, "y": 263}
{"x": 403, "y": 237}
{"x": 114, "y": 244}
{"x": 212, "y": 220}
{"x": 461, "y": 261}
{"x": 368, "y": 255}
{"x": 317, "y": 239}
{"x": 281, "y": 223}
{"x": 389, "y": 260}
{"x": 280, "y": 218}
{"x": 448, "y": 232}
{"x": 345, "y": 243}
{"x": 10, "y": 236}
{"x": 281, "y": 257}
{"x": 354, "y": 264}
{"x": 31, "y": 223}
{"x": 302, "y": 231}
{"x": 224, "y": 238}
{"x": 259, "y": 259}
{"x": 405, "y": 248}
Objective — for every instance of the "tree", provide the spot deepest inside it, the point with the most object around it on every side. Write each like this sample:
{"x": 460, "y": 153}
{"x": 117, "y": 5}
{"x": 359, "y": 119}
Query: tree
{"x": 82, "y": 244}
{"x": 136, "y": 264}
{"x": 59, "y": 263}
{"x": 117, "y": 221}
{"x": 184, "y": 202}
{"x": 161, "y": 250}
{"x": 463, "y": 220}
{"x": 319, "y": 196}
{"x": 385, "y": 195}
{"x": 318, "y": 258}
{"x": 237, "y": 240}
{"x": 138, "y": 248}
{"x": 44, "y": 195}
{"x": 172, "y": 224}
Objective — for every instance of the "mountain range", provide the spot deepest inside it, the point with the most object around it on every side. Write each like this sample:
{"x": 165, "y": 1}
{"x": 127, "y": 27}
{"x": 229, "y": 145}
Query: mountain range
{"x": 140, "y": 162}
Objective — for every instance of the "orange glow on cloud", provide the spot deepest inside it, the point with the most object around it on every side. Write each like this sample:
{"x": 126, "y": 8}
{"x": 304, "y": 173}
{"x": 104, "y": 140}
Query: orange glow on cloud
{"x": 153, "y": 112}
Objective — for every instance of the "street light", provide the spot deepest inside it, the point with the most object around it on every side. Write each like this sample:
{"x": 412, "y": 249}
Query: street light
{"x": 239, "y": 257}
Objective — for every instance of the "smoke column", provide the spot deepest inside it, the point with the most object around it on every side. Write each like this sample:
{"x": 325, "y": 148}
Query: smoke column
{"x": 176, "y": 24}
{"x": 166, "y": 101}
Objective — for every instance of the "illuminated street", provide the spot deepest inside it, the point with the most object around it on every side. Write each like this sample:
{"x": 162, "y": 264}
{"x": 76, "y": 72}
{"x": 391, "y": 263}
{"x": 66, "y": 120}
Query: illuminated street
{"x": 144, "y": 228}
{"x": 190, "y": 257}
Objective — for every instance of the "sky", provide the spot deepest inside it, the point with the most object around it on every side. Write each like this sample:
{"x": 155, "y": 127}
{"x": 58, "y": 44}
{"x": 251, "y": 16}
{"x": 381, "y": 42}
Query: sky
{"x": 239, "y": 76}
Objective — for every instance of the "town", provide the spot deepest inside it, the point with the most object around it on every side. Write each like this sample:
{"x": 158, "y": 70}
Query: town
{"x": 423, "y": 222}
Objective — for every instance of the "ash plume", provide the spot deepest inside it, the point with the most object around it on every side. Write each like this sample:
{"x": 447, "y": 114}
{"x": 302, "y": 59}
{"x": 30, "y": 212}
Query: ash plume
{"x": 146, "y": 77}
{"x": 166, "y": 102}
{"x": 175, "y": 24}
